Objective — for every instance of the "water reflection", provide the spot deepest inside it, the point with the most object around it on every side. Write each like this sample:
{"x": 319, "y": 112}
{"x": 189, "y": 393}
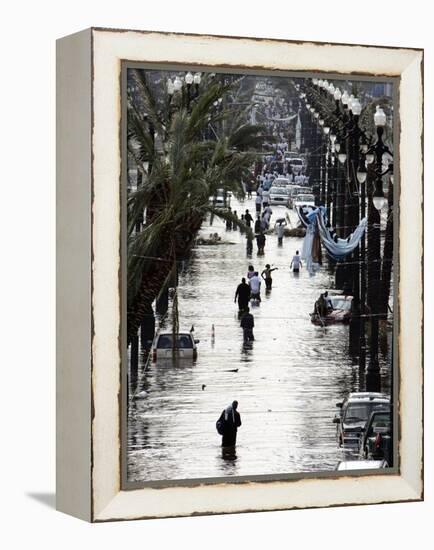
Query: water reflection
{"x": 287, "y": 381}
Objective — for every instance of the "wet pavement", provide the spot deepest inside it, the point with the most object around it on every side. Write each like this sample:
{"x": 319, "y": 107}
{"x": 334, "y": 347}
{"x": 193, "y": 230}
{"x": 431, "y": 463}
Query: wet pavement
{"x": 287, "y": 381}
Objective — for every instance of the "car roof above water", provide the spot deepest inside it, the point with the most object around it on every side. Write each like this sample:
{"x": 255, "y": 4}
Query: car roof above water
{"x": 361, "y": 465}
{"x": 170, "y": 335}
{"x": 368, "y": 396}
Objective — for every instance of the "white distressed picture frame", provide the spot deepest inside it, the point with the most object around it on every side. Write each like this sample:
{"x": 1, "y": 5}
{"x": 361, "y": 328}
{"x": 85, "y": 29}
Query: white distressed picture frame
{"x": 88, "y": 274}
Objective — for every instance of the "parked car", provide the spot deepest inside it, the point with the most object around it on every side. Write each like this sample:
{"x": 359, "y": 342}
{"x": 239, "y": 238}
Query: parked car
{"x": 222, "y": 199}
{"x": 347, "y": 465}
{"x": 281, "y": 182}
{"x": 302, "y": 190}
{"x": 353, "y": 414}
{"x": 303, "y": 200}
{"x": 296, "y": 164}
{"x": 279, "y": 195}
{"x": 376, "y": 437}
{"x": 163, "y": 346}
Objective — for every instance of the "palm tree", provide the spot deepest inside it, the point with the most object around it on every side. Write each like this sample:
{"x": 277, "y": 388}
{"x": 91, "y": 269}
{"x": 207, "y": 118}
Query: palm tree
{"x": 183, "y": 171}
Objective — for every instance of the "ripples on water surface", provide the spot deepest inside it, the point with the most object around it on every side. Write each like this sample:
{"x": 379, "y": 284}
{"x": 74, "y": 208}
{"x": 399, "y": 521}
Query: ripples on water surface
{"x": 287, "y": 382}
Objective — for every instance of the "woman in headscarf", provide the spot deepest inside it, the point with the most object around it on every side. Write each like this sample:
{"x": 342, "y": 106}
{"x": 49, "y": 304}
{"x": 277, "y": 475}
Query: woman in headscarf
{"x": 231, "y": 420}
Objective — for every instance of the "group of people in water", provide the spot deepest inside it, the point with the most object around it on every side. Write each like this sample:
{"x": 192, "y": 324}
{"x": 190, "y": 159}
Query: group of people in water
{"x": 250, "y": 287}
{"x": 249, "y": 290}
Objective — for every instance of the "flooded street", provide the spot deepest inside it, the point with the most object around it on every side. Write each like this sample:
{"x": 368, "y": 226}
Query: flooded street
{"x": 287, "y": 381}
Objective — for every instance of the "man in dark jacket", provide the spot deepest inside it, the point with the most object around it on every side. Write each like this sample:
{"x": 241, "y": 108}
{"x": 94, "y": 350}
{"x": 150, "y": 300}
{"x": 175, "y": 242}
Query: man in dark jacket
{"x": 260, "y": 243}
{"x": 248, "y": 218}
{"x": 247, "y": 324}
{"x": 231, "y": 421}
{"x": 258, "y": 225}
{"x": 243, "y": 295}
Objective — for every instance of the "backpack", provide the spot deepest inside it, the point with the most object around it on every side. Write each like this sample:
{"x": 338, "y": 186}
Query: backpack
{"x": 220, "y": 426}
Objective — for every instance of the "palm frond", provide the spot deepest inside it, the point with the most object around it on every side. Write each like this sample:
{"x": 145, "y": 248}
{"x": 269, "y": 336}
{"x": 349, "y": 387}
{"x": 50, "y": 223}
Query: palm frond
{"x": 148, "y": 100}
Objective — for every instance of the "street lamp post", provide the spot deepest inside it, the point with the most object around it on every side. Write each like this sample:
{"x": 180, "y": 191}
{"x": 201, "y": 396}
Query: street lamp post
{"x": 328, "y": 170}
{"x": 322, "y": 164}
{"x": 376, "y": 202}
{"x": 386, "y": 264}
{"x": 355, "y": 135}
{"x": 354, "y": 193}
{"x": 334, "y": 178}
{"x": 340, "y": 202}
{"x": 361, "y": 178}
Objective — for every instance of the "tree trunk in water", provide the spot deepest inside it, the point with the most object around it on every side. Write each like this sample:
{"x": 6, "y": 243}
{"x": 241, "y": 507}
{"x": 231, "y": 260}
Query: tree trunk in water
{"x": 152, "y": 281}
{"x": 147, "y": 330}
{"x": 176, "y": 246}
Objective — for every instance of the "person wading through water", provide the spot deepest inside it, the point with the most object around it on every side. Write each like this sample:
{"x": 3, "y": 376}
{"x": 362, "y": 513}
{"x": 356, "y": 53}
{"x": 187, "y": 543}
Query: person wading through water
{"x": 280, "y": 230}
{"x": 228, "y": 424}
{"x": 243, "y": 295}
{"x": 248, "y": 218}
{"x": 258, "y": 200}
{"x": 295, "y": 263}
{"x": 247, "y": 324}
{"x": 260, "y": 243}
{"x": 258, "y": 225}
{"x": 266, "y": 275}
{"x": 255, "y": 287}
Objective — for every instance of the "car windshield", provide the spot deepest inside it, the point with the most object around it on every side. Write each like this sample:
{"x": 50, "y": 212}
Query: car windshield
{"x": 296, "y": 161}
{"x": 341, "y": 303}
{"x": 305, "y": 198}
{"x": 360, "y": 411}
{"x": 182, "y": 341}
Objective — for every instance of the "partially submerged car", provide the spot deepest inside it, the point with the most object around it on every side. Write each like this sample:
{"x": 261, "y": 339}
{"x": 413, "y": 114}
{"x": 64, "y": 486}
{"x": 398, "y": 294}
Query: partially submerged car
{"x": 222, "y": 199}
{"x": 376, "y": 438}
{"x": 353, "y": 414}
{"x": 338, "y": 312}
{"x": 167, "y": 346}
{"x": 281, "y": 182}
{"x": 303, "y": 199}
{"x": 296, "y": 164}
{"x": 279, "y": 195}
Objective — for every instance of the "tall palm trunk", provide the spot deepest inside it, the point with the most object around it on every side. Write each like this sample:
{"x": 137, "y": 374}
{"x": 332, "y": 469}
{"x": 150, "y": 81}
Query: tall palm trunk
{"x": 152, "y": 281}
{"x": 175, "y": 245}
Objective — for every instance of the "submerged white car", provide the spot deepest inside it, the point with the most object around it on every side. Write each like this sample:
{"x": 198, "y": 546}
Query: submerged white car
{"x": 221, "y": 199}
{"x": 165, "y": 346}
{"x": 281, "y": 182}
{"x": 303, "y": 200}
{"x": 280, "y": 195}
{"x": 296, "y": 164}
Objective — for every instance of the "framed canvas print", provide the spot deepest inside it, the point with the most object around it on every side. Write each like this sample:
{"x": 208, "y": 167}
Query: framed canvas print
{"x": 239, "y": 267}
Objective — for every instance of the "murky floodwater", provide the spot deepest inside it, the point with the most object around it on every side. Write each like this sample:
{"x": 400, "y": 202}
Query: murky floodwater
{"x": 287, "y": 382}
